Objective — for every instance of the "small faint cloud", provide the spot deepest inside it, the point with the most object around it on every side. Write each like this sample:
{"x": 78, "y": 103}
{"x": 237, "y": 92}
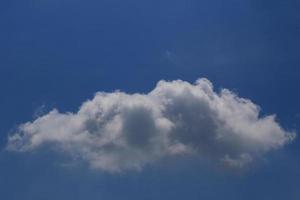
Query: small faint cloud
{"x": 41, "y": 110}
{"x": 171, "y": 57}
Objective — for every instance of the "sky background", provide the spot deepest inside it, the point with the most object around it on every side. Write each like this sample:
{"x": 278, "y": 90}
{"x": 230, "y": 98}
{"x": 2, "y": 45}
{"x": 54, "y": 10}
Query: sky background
{"x": 58, "y": 53}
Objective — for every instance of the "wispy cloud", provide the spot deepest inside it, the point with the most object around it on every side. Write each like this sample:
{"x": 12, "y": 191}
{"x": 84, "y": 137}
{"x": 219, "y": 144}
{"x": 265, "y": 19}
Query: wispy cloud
{"x": 119, "y": 131}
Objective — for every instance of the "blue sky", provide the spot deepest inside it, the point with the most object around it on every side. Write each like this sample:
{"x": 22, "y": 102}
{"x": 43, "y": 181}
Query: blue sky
{"x": 59, "y": 53}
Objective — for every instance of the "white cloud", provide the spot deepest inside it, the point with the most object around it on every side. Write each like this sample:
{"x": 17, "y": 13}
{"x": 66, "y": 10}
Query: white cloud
{"x": 118, "y": 131}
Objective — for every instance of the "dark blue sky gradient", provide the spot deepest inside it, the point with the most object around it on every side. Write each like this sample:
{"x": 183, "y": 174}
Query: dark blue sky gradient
{"x": 58, "y": 53}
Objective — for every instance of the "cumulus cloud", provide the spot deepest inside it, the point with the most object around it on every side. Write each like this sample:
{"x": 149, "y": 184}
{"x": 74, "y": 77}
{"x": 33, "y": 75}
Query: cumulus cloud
{"x": 119, "y": 131}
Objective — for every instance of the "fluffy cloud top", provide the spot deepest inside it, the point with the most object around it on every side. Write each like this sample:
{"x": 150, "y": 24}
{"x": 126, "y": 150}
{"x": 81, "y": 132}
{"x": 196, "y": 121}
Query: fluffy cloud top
{"x": 118, "y": 131}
